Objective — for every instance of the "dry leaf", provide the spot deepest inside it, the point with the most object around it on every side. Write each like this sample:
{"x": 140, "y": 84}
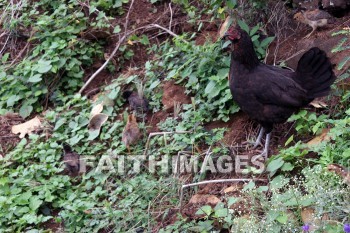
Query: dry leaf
{"x": 232, "y": 189}
{"x": 308, "y": 217}
{"x": 26, "y": 127}
{"x": 224, "y": 27}
{"x": 320, "y": 138}
{"x": 318, "y": 104}
{"x": 204, "y": 199}
{"x": 97, "y": 121}
{"x": 96, "y": 110}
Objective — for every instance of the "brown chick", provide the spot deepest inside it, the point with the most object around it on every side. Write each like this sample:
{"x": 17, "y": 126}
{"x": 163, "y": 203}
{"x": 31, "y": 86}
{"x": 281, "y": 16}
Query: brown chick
{"x": 137, "y": 102}
{"x": 71, "y": 160}
{"x": 314, "y": 18}
{"x": 131, "y": 132}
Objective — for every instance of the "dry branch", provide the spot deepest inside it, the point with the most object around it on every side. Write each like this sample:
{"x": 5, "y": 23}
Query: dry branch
{"x": 121, "y": 40}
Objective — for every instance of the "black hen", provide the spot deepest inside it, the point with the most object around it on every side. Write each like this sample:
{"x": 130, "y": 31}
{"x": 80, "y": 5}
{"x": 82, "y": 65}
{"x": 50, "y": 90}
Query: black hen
{"x": 269, "y": 94}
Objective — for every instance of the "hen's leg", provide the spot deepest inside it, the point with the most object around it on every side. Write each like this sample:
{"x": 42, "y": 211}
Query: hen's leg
{"x": 265, "y": 152}
{"x": 258, "y": 140}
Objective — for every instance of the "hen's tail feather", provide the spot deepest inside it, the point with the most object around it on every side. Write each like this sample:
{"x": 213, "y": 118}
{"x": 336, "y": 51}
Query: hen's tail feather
{"x": 314, "y": 73}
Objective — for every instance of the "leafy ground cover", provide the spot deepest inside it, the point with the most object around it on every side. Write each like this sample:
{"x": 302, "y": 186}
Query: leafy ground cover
{"x": 181, "y": 67}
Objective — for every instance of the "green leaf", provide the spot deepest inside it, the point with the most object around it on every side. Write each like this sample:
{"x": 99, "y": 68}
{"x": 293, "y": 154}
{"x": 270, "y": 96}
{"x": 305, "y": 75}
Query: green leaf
{"x": 75, "y": 139}
{"x": 117, "y": 29}
{"x": 287, "y": 167}
{"x": 12, "y": 100}
{"x": 207, "y": 210}
{"x": 2, "y": 74}
{"x": 23, "y": 199}
{"x": 35, "y": 78}
{"x": 243, "y": 25}
{"x": 274, "y": 165}
{"x": 221, "y": 213}
{"x": 154, "y": 84}
{"x": 255, "y": 37}
{"x": 290, "y": 139}
{"x": 249, "y": 186}
{"x": 114, "y": 93}
{"x": 93, "y": 134}
{"x": 43, "y": 66}
{"x": 5, "y": 57}
{"x": 226, "y": 44}
{"x": 278, "y": 182}
{"x": 144, "y": 40}
{"x": 59, "y": 123}
{"x": 282, "y": 218}
{"x": 262, "y": 189}
{"x": 343, "y": 63}
{"x": 254, "y": 30}
{"x": 211, "y": 90}
{"x": 3, "y": 181}
{"x": 267, "y": 41}
{"x": 231, "y": 4}
{"x": 232, "y": 200}
{"x": 25, "y": 110}
{"x": 35, "y": 203}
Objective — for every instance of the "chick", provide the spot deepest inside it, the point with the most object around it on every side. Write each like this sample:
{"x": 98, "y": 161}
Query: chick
{"x": 137, "y": 102}
{"x": 314, "y": 18}
{"x": 71, "y": 160}
{"x": 131, "y": 132}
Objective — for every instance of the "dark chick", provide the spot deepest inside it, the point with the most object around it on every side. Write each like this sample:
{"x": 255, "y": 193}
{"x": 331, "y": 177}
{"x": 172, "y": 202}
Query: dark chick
{"x": 136, "y": 102}
{"x": 269, "y": 94}
{"x": 131, "y": 132}
{"x": 71, "y": 160}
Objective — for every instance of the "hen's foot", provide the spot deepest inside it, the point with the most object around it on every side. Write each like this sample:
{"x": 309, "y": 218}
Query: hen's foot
{"x": 258, "y": 140}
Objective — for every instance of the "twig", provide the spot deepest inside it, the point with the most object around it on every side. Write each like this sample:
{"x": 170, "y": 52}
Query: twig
{"x": 9, "y": 136}
{"x": 167, "y": 30}
{"x": 127, "y": 18}
{"x": 4, "y": 47}
{"x": 121, "y": 40}
{"x": 214, "y": 181}
{"x": 3, "y": 34}
{"x": 20, "y": 53}
{"x": 171, "y": 16}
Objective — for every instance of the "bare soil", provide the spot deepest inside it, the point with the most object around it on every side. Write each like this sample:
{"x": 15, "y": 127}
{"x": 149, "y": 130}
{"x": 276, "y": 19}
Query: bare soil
{"x": 8, "y": 140}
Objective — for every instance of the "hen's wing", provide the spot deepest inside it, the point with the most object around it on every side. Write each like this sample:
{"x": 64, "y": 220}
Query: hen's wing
{"x": 274, "y": 85}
